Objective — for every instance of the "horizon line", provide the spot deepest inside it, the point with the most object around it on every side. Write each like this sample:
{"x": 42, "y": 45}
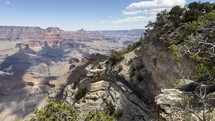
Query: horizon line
{"x": 28, "y": 26}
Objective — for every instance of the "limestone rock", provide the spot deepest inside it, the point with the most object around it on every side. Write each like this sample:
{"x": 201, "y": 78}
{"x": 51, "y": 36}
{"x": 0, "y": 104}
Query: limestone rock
{"x": 175, "y": 106}
{"x": 103, "y": 93}
{"x": 169, "y": 99}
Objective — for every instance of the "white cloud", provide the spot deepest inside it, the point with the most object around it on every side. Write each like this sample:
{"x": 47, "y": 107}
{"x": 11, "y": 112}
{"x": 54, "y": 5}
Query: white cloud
{"x": 154, "y": 6}
{"x": 7, "y": 2}
{"x": 131, "y": 12}
{"x": 154, "y": 11}
{"x": 146, "y": 11}
{"x": 135, "y": 19}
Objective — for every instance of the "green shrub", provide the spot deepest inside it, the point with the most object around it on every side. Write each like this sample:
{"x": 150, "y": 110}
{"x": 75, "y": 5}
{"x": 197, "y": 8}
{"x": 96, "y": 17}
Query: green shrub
{"x": 80, "y": 93}
{"x": 56, "y": 111}
{"x": 134, "y": 45}
{"x": 207, "y": 17}
{"x": 99, "y": 66}
{"x": 118, "y": 113}
{"x": 95, "y": 63}
{"x": 115, "y": 57}
{"x": 96, "y": 115}
{"x": 78, "y": 79}
{"x": 197, "y": 9}
{"x": 203, "y": 73}
{"x": 150, "y": 25}
{"x": 130, "y": 61}
{"x": 76, "y": 82}
{"x": 109, "y": 108}
{"x": 175, "y": 14}
{"x": 176, "y": 50}
{"x": 120, "y": 68}
{"x": 165, "y": 37}
{"x": 189, "y": 117}
{"x": 180, "y": 37}
{"x": 191, "y": 27}
{"x": 176, "y": 83}
{"x": 196, "y": 57}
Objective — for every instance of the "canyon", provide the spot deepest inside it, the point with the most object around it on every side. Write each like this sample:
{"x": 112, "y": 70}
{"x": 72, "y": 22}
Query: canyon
{"x": 163, "y": 73}
{"x": 37, "y": 63}
{"x": 128, "y": 76}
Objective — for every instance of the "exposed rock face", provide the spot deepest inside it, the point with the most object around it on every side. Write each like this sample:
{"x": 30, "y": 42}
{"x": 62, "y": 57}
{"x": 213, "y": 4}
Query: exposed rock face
{"x": 137, "y": 76}
{"x": 145, "y": 70}
{"x": 159, "y": 62}
{"x": 171, "y": 101}
{"x": 103, "y": 92}
{"x": 36, "y": 63}
{"x": 124, "y": 36}
{"x": 16, "y": 33}
{"x": 135, "y": 85}
{"x": 44, "y": 50}
{"x": 150, "y": 67}
{"x": 176, "y": 106}
{"x": 20, "y": 94}
{"x": 129, "y": 90}
{"x": 83, "y": 35}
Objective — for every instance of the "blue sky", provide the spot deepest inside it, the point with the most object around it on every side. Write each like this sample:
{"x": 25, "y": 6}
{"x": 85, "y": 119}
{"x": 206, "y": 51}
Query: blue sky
{"x": 86, "y": 14}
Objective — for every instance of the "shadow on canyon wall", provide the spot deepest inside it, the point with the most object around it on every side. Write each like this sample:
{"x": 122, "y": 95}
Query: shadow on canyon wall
{"x": 15, "y": 99}
{"x": 18, "y": 95}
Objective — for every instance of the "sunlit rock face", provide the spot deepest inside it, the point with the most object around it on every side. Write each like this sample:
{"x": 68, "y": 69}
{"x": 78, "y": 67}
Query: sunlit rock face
{"x": 45, "y": 50}
{"x": 16, "y": 33}
{"x": 37, "y": 63}
{"x": 104, "y": 93}
{"x": 176, "y": 105}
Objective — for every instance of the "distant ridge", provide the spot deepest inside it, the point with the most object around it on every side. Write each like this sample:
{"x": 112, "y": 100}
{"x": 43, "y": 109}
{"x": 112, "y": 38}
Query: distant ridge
{"x": 31, "y": 33}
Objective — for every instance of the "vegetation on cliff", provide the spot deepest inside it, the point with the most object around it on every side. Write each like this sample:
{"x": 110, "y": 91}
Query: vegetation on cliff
{"x": 188, "y": 33}
{"x": 62, "y": 111}
{"x": 56, "y": 111}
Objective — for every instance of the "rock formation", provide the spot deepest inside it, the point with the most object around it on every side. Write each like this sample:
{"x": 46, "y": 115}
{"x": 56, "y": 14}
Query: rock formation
{"x": 167, "y": 75}
{"x": 38, "y": 63}
{"x": 104, "y": 93}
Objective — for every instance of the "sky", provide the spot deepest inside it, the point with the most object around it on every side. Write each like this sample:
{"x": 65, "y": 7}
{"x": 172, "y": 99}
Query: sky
{"x": 71, "y": 15}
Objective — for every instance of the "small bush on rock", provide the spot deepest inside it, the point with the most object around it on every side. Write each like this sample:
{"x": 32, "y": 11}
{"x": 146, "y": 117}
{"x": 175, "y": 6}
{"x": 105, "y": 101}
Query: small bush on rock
{"x": 81, "y": 93}
{"x": 96, "y": 115}
{"x": 56, "y": 111}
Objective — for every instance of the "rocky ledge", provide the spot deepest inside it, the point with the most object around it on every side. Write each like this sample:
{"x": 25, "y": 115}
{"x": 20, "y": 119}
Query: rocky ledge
{"x": 107, "y": 94}
{"x": 178, "y": 105}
